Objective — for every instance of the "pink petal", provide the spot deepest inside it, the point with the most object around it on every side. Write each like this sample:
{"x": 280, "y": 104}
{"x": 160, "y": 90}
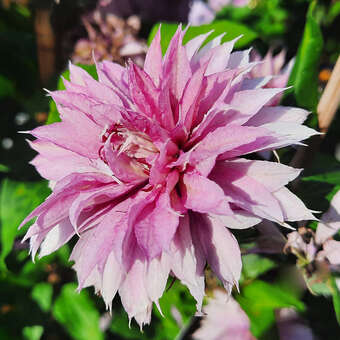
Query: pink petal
{"x": 220, "y": 248}
{"x": 76, "y": 133}
{"x": 332, "y": 251}
{"x": 272, "y": 175}
{"x": 195, "y": 187}
{"x": 278, "y": 114}
{"x": 153, "y": 59}
{"x": 247, "y": 193}
{"x": 187, "y": 263}
{"x": 292, "y": 207}
{"x": 54, "y": 162}
{"x": 155, "y": 223}
{"x": 57, "y": 237}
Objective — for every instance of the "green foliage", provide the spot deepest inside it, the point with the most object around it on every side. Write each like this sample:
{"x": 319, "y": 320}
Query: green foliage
{"x": 232, "y": 30}
{"x": 17, "y": 200}
{"x": 4, "y": 168}
{"x": 304, "y": 76}
{"x": 254, "y": 265}
{"x": 42, "y": 294}
{"x": 260, "y": 299}
{"x": 267, "y": 17}
{"x": 6, "y": 87}
{"x": 336, "y": 297}
{"x": 176, "y": 300}
{"x": 76, "y": 312}
{"x": 328, "y": 177}
{"x": 32, "y": 332}
{"x": 120, "y": 326}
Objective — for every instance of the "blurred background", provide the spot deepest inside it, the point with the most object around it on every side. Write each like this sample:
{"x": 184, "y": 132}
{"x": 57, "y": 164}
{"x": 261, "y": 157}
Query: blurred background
{"x": 37, "y": 40}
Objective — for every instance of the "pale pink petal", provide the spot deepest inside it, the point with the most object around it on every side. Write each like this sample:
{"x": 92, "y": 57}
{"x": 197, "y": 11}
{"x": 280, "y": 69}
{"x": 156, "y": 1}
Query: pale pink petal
{"x": 54, "y": 161}
{"x": 220, "y": 248}
{"x": 331, "y": 249}
{"x": 292, "y": 207}
{"x": 133, "y": 293}
{"x": 247, "y": 193}
{"x": 185, "y": 263}
{"x": 224, "y": 320}
{"x": 330, "y": 221}
{"x": 57, "y": 237}
{"x": 272, "y": 175}
{"x": 278, "y": 114}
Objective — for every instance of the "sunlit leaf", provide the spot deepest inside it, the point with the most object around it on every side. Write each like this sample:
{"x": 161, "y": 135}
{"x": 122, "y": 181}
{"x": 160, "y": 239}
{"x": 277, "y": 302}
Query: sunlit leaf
{"x": 260, "y": 299}
{"x": 32, "y": 332}
{"x": 232, "y": 30}
{"x": 77, "y": 313}
{"x": 255, "y": 265}
{"x": 17, "y": 200}
{"x": 42, "y": 294}
{"x": 304, "y": 76}
{"x": 336, "y": 297}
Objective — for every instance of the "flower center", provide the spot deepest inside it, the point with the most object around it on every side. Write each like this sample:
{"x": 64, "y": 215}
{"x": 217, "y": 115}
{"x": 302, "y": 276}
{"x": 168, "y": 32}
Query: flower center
{"x": 137, "y": 146}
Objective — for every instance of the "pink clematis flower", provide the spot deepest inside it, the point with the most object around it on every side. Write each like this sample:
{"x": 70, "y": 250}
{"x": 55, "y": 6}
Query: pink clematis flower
{"x": 148, "y": 168}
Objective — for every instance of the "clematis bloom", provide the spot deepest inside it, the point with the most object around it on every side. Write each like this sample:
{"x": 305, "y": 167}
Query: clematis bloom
{"x": 149, "y": 166}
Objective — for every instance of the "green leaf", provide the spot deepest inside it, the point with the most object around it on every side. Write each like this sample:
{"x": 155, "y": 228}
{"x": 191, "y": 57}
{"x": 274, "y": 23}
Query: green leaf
{"x": 53, "y": 115}
{"x": 304, "y": 76}
{"x": 336, "y": 298}
{"x": 76, "y": 312}
{"x": 254, "y": 265}
{"x": 42, "y": 294}
{"x": 32, "y": 332}
{"x": 177, "y": 300}
{"x": 218, "y": 27}
{"x": 328, "y": 177}
{"x": 120, "y": 326}
{"x": 17, "y": 200}
{"x": 4, "y": 168}
{"x": 260, "y": 299}
{"x": 6, "y": 87}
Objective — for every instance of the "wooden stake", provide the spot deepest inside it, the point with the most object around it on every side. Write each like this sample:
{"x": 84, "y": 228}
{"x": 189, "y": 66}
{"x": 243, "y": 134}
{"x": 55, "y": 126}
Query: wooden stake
{"x": 45, "y": 44}
{"x": 330, "y": 99}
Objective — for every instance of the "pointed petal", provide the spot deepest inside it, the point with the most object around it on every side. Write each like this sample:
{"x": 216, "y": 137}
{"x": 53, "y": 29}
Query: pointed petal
{"x": 220, "y": 247}
{"x": 153, "y": 59}
{"x": 293, "y": 208}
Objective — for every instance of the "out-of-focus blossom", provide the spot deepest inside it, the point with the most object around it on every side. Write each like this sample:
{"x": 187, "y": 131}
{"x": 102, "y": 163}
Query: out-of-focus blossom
{"x": 302, "y": 244}
{"x": 150, "y": 11}
{"x": 148, "y": 168}
{"x": 204, "y": 13}
{"x": 291, "y": 326}
{"x": 110, "y": 38}
{"x": 271, "y": 69}
{"x": 330, "y": 221}
{"x": 217, "y": 5}
{"x": 200, "y": 13}
{"x": 224, "y": 320}
{"x": 309, "y": 246}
